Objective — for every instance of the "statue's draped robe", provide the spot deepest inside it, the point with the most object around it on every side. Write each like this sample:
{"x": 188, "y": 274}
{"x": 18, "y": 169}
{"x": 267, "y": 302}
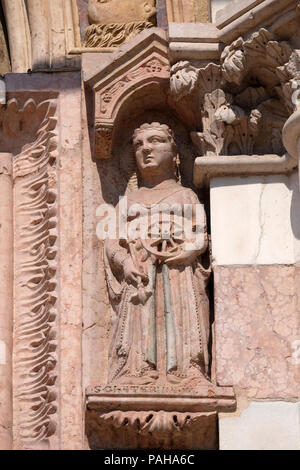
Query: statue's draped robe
{"x": 165, "y": 332}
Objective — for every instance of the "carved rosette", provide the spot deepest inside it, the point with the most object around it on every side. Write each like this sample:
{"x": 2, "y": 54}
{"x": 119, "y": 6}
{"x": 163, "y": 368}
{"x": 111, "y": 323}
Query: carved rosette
{"x": 35, "y": 259}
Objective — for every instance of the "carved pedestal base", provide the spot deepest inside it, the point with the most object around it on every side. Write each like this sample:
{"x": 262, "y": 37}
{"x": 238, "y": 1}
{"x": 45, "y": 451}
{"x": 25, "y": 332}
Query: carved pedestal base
{"x": 155, "y": 417}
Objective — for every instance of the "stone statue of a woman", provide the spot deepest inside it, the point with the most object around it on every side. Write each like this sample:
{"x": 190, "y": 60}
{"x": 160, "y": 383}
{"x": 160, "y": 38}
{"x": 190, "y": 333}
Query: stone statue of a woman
{"x": 156, "y": 283}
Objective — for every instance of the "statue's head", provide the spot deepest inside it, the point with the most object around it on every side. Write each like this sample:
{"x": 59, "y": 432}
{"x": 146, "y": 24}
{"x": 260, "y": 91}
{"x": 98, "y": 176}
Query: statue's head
{"x": 155, "y": 150}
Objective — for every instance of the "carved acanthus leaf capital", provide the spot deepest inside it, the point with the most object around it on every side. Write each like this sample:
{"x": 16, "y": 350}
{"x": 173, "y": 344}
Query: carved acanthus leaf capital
{"x": 260, "y": 55}
{"x": 187, "y": 80}
{"x": 234, "y": 62}
{"x": 254, "y": 89}
{"x": 183, "y": 79}
{"x": 289, "y": 76}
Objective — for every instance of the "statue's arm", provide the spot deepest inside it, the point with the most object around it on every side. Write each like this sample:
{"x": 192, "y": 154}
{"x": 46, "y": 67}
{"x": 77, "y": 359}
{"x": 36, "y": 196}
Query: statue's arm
{"x": 116, "y": 254}
{"x": 120, "y": 261}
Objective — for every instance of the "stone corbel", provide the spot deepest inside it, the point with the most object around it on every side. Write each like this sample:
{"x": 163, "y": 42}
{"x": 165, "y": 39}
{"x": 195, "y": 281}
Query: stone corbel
{"x": 140, "y": 63}
{"x": 153, "y": 414}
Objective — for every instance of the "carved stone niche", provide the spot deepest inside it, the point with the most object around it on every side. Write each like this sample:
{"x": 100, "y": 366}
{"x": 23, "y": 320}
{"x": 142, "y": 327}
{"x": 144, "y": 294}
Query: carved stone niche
{"x": 140, "y": 64}
{"x": 150, "y": 401}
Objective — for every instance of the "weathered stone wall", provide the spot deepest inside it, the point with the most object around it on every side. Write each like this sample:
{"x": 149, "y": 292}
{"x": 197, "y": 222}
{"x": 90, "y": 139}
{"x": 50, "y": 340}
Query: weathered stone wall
{"x": 229, "y": 89}
{"x": 188, "y": 11}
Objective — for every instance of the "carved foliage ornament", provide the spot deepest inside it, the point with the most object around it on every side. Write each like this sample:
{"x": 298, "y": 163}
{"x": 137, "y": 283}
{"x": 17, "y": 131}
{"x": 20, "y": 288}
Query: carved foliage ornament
{"x": 261, "y": 55}
{"x": 160, "y": 429}
{"x": 113, "y": 35}
{"x": 160, "y": 422}
{"x": 233, "y": 115}
{"x": 35, "y": 271}
{"x": 152, "y": 429}
{"x": 289, "y": 76}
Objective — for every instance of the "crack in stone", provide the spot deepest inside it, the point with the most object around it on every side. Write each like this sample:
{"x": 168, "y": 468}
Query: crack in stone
{"x": 89, "y": 327}
{"x": 261, "y": 221}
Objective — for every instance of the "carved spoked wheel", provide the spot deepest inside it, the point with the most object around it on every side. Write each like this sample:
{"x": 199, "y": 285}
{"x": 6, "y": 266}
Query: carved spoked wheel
{"x": 163, "y": 249}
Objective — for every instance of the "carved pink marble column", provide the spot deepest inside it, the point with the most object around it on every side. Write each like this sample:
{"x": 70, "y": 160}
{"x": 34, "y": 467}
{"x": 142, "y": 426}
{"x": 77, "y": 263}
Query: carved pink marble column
{"x": 6, "y": 299}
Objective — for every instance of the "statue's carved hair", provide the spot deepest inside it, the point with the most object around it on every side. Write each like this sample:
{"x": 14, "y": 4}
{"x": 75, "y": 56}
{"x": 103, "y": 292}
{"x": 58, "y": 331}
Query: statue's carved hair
{"x": 156, "y": 125}
{"x": 133, "y": 182}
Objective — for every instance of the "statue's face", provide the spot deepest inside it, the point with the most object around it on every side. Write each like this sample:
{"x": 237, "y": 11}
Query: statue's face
{"x": 154, "y": 152}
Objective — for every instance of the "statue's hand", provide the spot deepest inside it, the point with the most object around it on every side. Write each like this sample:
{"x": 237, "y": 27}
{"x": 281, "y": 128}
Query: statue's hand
{"x": 132, "y": 275}
{"x": 185, "y": 258}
